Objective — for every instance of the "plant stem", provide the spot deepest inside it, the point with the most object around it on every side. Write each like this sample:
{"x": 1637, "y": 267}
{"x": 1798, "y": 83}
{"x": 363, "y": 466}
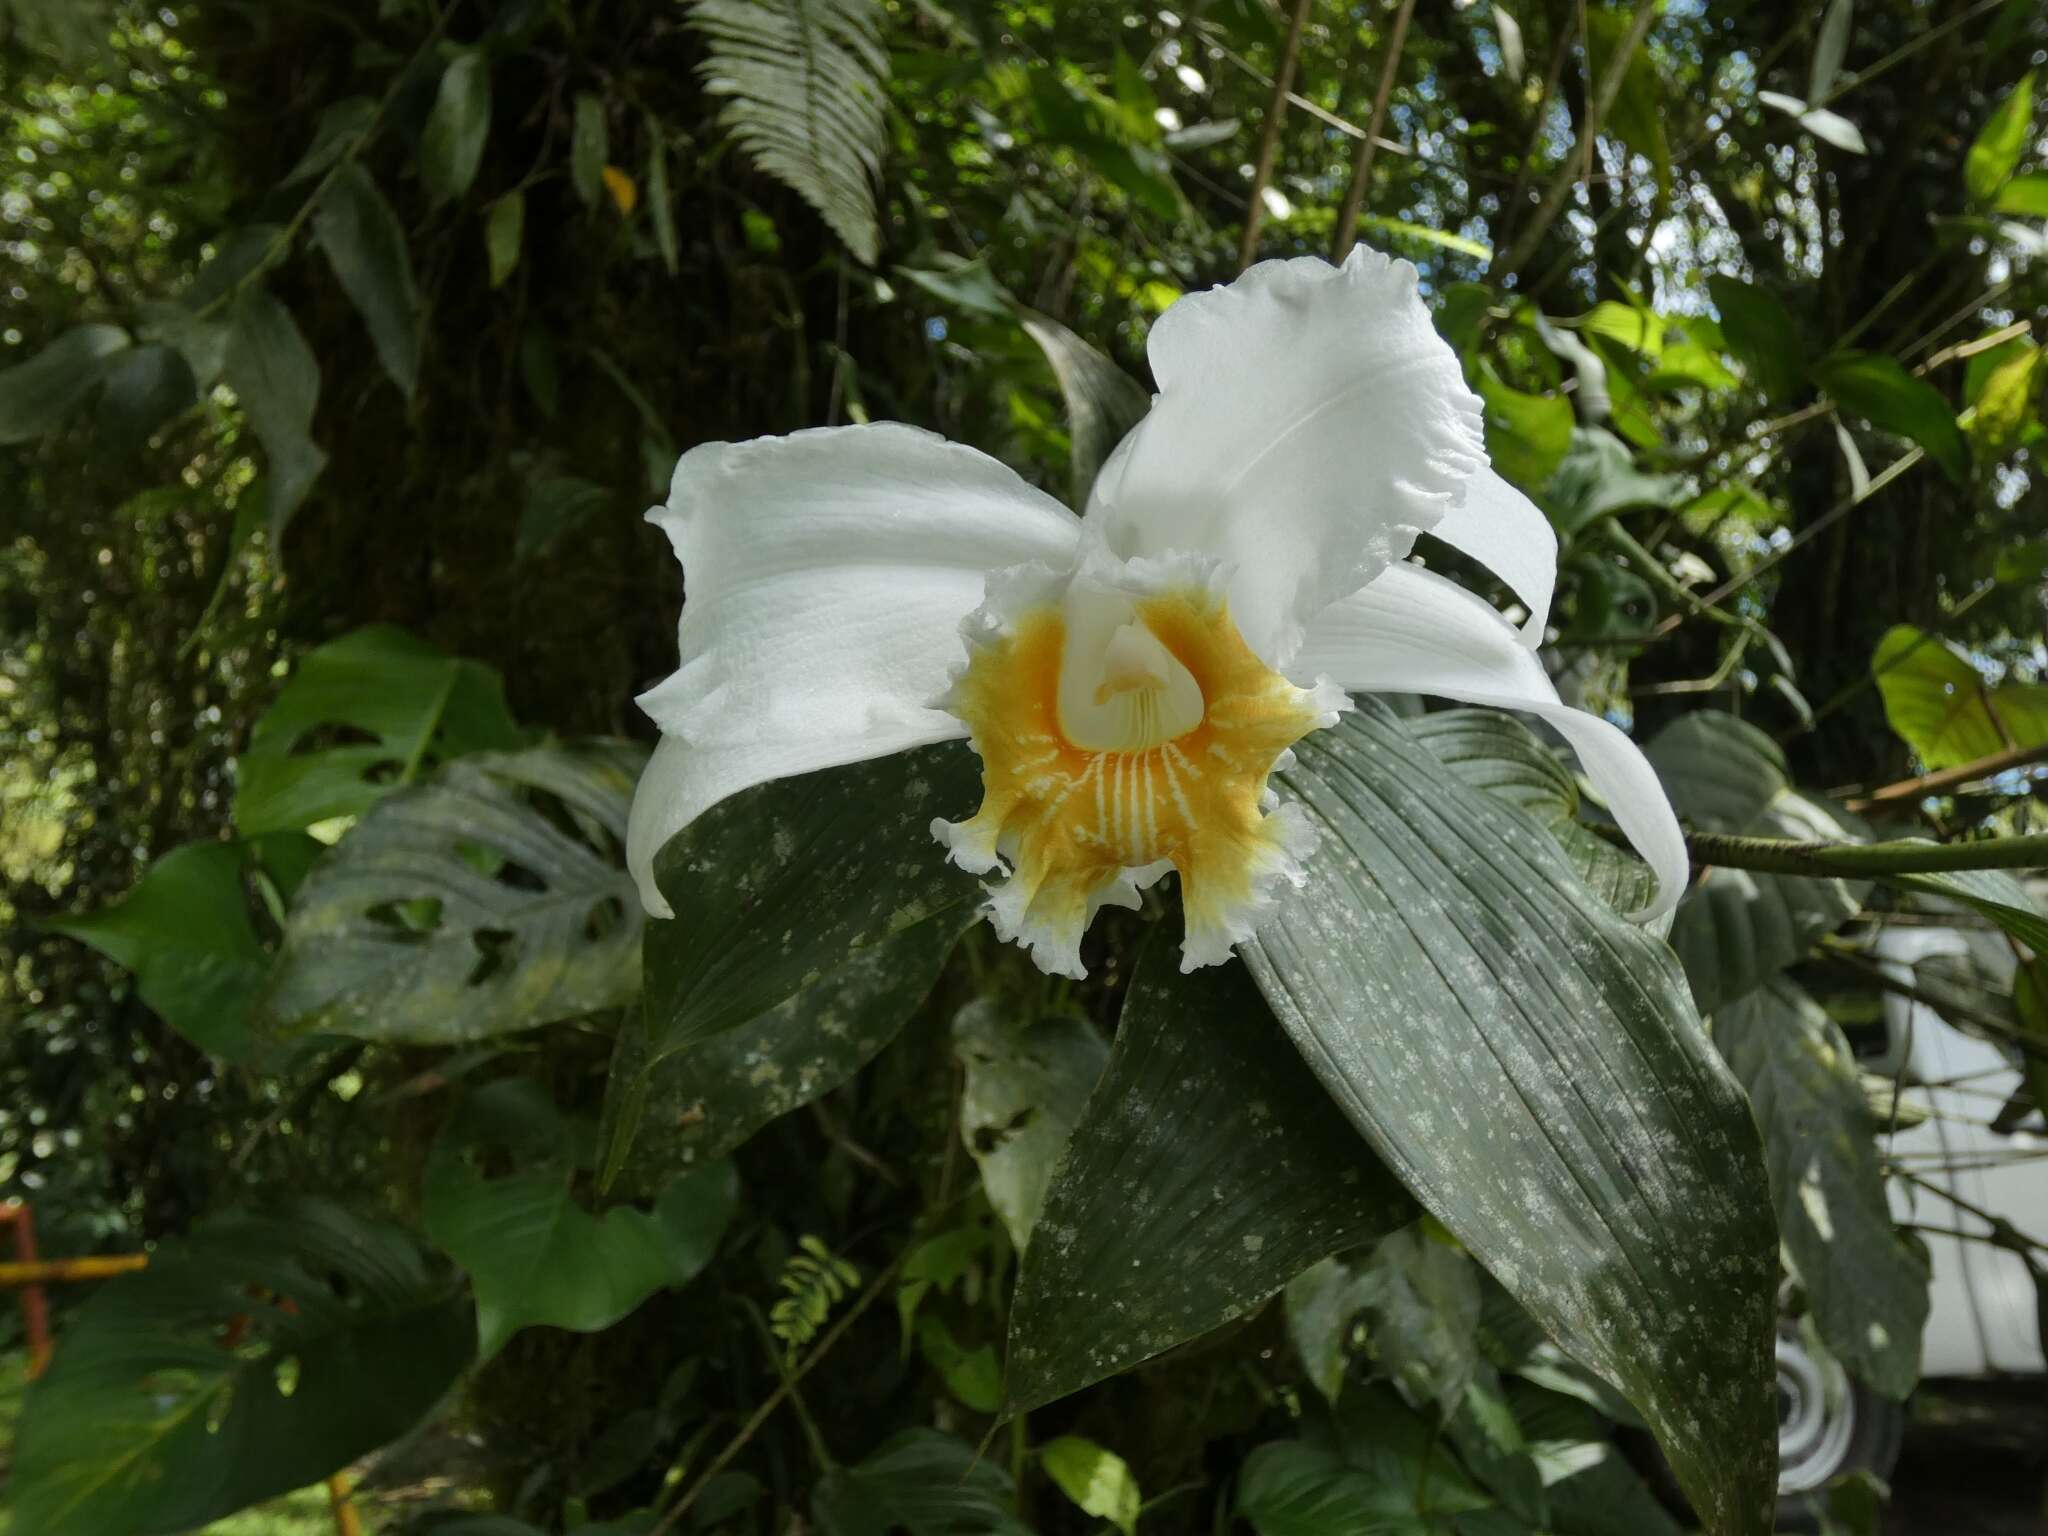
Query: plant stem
{"x": 1361, "y": 168}
{"x": 1905, "y": 856}
{"x": 1269, "y": 135}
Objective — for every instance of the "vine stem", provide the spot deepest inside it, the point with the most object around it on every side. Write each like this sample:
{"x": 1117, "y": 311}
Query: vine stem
{"x": 774, "y": 1399}
{"x": 1905, "y": 856}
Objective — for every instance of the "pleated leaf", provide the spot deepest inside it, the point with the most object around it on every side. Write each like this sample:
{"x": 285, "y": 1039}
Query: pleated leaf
{"x": 1532, "y": 1068}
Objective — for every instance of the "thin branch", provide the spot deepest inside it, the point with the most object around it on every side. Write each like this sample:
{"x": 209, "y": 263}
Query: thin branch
{"x": 1269, "y": 135}
{"x": 1568, "y": 174}
{"x": 1951, "y": 778}
{"x": 1904, "y": 856}
{"x": 1361, "y": 168}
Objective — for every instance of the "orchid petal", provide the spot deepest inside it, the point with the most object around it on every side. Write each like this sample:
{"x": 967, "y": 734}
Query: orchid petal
{"x": 1507, "y": 533}
{"x": 1412, "y": 631}
{"x": 1310, "y": 422}
{"x": 827, "y": 575}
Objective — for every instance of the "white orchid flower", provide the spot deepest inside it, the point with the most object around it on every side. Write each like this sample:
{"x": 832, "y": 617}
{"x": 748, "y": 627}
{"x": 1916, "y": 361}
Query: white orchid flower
{"x": 1130, "y": 678}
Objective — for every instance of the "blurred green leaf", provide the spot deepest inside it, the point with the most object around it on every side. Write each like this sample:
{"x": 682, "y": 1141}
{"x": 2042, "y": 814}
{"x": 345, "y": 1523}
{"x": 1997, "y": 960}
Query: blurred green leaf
{"x": 1096, "y": 1479}
{"x": 2024, "y": 196}
{"x": 146, "y": 387}
{"x": 1830, "y": 48}
{"x": 277, "y": 379}
{"x": 366, "y": 244}
{"x": 534, "y": 1255}
{"x": 1761, "y": 334}
{"x": 2001, "y": 142}
{"x": 922, "y": 1482}
{"x": 37, "y": 395}
{"x": 504, "y": 230}
{"x": 452, "y": 148}
{"x": 2006, "y": 408}
{"x": 1526, "y": 435}
{"x": 1103, "y": 402}
{"x": 589, "y": 148}
{"x": 341, "y": 125}
{"x": 660, "y": 200}
{"x": 1876, "y": 386}
{"x": 1866, "y": 1284}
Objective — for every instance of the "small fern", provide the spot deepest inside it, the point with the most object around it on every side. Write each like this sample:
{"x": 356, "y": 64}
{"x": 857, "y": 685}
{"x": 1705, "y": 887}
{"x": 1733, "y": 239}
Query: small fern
{"x": 815, "y": 1280}
{"x": 805, "y": 80}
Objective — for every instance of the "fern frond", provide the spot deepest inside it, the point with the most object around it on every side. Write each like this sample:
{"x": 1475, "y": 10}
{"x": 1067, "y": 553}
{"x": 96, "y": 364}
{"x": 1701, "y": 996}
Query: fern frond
{"x": 815, "y": 1281}
{"x": 806, "y": 80}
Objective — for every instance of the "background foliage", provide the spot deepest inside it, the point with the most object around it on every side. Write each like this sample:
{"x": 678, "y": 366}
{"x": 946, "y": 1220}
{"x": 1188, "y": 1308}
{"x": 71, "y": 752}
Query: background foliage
{"x": 343, "y": 346}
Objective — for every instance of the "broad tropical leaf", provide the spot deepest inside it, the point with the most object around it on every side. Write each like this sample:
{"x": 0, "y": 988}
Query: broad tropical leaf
{"x": 1944, "y": 709}
{"x": 804, "y": 82}
{"x": 1460, "y": 994}
{"x": 923, "y": 1482}
{"x": 254, "y": 1357}
{"x": 488, "y": 900}
{"x": 1103, "y": 402}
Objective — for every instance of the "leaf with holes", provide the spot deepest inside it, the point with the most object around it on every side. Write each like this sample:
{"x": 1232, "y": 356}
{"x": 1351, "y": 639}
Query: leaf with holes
{"x": 1868, "y": 1287}
{"x": 1530, "y": 1065}
{"x": 1026, "y": 1084}
{"x": 187, "y": 934}
{"x": 534, "y": 1254}
{"x": 1103, "y": 402}
{"x": 706, "y": 1100}
{"x": 1944, "y": 709}
{"x": 1207, "y": 1171}
{"x": 488, "y": 900}
{"x": 362, "y": 716}
{"x": 256, "y": 1356}
{"x": 1736, "y": 929}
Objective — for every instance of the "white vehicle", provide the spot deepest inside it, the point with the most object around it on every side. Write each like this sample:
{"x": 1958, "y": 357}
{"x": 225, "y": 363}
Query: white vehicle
{"x": 1983, "y": 1320}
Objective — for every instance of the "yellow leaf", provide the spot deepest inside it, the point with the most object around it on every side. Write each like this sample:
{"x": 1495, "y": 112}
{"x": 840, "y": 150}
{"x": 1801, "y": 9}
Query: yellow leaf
{"x": 625, "y": 192}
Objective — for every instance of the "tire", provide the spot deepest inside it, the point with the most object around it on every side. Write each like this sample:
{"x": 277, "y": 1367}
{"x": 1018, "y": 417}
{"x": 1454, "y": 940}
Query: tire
{"x": 1828, "y": 1425}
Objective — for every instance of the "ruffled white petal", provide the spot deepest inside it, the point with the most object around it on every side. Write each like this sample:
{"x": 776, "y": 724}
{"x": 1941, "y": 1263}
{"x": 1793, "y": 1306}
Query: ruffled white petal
{"x": 1508, "y": 534}
{"x": 1412, "y": 631}
{"x": 826, "y": 575}
{"x": 683, "y": 780}
{"x": 1310, "y": 422}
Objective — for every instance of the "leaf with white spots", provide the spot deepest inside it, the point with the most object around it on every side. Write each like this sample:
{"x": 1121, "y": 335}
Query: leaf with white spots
{"x": 1532, "y": 1068}
{"x": 1208, "y": 1170}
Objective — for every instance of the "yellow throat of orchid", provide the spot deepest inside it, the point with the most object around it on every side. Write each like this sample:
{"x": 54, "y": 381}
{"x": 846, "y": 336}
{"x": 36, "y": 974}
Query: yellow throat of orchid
{"x": 1122, "y": 734}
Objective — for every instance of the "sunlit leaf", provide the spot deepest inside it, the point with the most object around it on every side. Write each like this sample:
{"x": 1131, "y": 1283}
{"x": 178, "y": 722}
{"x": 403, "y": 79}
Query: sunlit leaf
{"x": 1943, "y": 707}
{"x": 2001, "y": 142}
{"x": 1096, "y": 1479}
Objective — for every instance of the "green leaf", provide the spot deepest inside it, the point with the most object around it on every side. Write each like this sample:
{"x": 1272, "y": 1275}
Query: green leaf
{"x": 1942, "y": 707}
{"x": 452, "y": 147}
{"x": 1993, "y": 893}
{"x": 1867, "y": 1285}
{"x": 1736, "y": 929}
{"x": 148, "y": 1424}
{"x": 2005, "y": 408}
{"x": 185, "y": 932}
{"x": 146, "y": 386}
{"x": 589, "y": 148}
{"x": 504, "y": 227}
{"x": 2001, "y": 142}
{"x": 974, "y": 1376}
{"x": 366, "y": 244}
{"x": 1026, "y": 1084}
{"x": 463, "y": 908}
{"x": 1376, "y": 1468}
{"x": 2025, "y": 196}
{"x": 1492, "y": 1445}
{"x": 37, "y": 395}
{"x": 1422, "y": 1302}
{"x": 276, "y": 377}
{"x": 1637, "y": 115}
{"x": 783, "y": 882}
{"x": 1103, "y": 402}
{"x": 660, "y": 200}
{"x": 1321, "y": 1304}
{"x": 555, "y": 505}
{"x": 1598, "y": 478}
{"x": 1761, "y": 335}
{"x": 340, "y": 126}
{"x": 1590, "y": 1486}
{"x": 709, "y": 1098}
{"x": 239, "y": 257}
{"x": 308, "y": 759}
{"x": 805, "y": 82}
{"x": 1873, "y": 385}
{"x": 1098, "y": 1480}
{"x": 1829, "y": 48}
{"x": 923, "y": 1482}
{"x": 1208, "y": 1170}
{"x": 1443, "y": 968}
{"x": 1527, "y": 435}
{"x": 533, "y": 1253}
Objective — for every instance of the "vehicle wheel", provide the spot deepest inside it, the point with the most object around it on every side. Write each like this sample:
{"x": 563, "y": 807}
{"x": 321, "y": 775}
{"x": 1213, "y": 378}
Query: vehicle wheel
{"x": 1828, "y": 1425}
